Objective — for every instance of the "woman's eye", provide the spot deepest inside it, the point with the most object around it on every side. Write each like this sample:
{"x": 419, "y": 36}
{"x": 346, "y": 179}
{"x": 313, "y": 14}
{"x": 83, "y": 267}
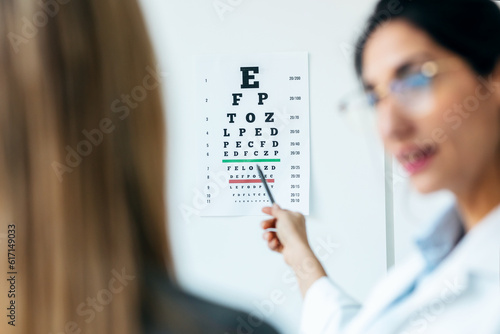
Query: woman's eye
{"x": 416, "y": 80}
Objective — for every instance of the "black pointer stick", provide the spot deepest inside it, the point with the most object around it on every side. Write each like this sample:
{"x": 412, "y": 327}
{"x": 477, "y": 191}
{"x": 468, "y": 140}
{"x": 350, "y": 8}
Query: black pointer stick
{"x": 263, "y": 179}
{"x": 268, "y": 194}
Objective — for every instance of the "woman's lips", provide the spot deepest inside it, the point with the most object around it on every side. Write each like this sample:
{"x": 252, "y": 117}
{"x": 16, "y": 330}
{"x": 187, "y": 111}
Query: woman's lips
{"x": 416, "y": 159}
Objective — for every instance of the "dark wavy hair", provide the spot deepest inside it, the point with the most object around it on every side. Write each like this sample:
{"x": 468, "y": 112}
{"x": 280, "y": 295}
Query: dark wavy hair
{"x": 469, "y": 28}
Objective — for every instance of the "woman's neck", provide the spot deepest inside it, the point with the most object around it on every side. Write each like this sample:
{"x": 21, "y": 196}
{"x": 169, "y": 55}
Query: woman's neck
{"x": 481, "y": 198}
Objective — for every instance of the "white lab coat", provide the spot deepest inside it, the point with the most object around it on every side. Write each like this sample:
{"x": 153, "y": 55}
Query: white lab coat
{"x": 461, "y": 295}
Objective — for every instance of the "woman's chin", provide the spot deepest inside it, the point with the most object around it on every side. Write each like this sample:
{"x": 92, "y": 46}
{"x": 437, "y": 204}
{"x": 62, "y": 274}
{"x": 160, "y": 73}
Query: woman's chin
{"x": 425, "y": 183}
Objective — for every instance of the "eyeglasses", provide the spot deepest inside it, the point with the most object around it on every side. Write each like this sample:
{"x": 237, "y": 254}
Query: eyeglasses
{"x": 414, "y": 91}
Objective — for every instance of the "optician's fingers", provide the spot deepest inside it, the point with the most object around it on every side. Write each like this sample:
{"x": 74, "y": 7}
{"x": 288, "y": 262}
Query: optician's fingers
{"x": 269, "y": 223}
{"x": 267, "y": 210}
{"x": 272, "y": 239}
{"x": 268, "y": 236}
{"x": 274, "y": 244}
{"x": 275, "y": 210}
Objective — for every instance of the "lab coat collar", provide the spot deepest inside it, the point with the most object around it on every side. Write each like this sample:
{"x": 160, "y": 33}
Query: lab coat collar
{"x": 437, "y": 240}
{"x": 479, "y": 250}
{"x": 473, "y": 252}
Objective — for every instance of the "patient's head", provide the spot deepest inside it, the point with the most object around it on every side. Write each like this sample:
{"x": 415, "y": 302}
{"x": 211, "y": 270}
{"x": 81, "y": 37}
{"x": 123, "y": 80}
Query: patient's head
{"x": 81, "y": 161}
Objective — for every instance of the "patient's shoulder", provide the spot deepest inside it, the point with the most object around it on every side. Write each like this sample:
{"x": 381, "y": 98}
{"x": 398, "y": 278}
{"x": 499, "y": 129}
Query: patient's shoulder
{"x": 169, "y": 309}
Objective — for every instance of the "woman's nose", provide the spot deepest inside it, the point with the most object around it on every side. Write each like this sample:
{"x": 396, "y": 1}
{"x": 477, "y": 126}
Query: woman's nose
{"x": 393, "y": 121}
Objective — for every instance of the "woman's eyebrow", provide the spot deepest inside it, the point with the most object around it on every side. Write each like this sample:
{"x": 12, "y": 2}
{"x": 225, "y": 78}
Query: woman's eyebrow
{"x": 410, "y": 62}
{"x": 403, "y": 68}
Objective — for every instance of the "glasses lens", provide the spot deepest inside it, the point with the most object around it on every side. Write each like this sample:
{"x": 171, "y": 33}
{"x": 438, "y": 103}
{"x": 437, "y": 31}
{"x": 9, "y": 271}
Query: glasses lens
{"x": 414, "y": 93}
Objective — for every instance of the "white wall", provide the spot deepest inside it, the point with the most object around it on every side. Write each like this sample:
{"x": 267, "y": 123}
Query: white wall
{"x": 225, "y": 259}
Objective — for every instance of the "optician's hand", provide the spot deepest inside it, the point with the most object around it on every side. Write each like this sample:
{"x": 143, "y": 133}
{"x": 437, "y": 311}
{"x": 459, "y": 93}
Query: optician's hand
{"x": 291, "y": 241}
{"x": 291, "y": 238}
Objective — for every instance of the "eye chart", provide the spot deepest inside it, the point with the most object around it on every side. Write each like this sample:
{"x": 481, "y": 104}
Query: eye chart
{"x": 253, "y": 109}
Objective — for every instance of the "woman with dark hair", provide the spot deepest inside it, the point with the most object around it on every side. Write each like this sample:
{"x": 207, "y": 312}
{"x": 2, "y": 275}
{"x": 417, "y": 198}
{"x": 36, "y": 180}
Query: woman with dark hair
{"x": 430, "y": 71}
{"x": 82, "y": 178}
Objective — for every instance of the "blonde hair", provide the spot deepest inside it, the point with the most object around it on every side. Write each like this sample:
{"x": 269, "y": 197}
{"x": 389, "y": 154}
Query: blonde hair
{"x": 81, "y": 164}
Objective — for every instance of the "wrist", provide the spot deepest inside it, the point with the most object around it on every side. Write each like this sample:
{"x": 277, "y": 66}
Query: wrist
{"x": 307, "y": 265}
{"x": 302, "y": 253}
{"x": 308, "y": 270}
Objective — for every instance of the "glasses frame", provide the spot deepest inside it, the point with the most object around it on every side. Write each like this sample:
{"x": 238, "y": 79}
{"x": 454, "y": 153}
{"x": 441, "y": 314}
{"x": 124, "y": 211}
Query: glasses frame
{"x": 430, "y": 69}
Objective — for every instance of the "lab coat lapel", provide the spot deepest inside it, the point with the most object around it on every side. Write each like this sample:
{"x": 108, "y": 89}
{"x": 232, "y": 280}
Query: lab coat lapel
{"x": 440, "y": 290}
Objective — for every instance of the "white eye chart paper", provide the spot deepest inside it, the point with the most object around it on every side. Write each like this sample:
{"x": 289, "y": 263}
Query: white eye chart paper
{"x": 252, "y": 109}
